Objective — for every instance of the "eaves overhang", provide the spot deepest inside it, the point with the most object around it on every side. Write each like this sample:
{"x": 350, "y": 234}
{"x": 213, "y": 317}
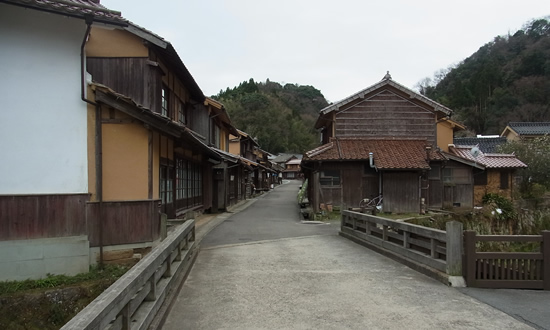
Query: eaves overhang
{"x": 76, "y": 9}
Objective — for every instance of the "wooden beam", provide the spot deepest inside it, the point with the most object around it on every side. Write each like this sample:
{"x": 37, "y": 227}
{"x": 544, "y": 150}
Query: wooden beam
{"x": 144, "y": 115}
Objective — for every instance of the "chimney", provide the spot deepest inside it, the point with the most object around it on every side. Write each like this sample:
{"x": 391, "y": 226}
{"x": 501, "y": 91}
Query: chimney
{"x": 428, "y": 151}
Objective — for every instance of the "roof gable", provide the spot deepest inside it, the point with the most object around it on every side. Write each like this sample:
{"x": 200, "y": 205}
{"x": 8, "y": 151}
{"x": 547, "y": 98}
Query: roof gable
{"x": 387, "y": 81}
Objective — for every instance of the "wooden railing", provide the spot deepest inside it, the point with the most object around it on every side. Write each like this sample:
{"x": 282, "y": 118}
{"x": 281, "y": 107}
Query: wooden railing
{"x": 513, "y": 270}
{"x": 134, "y": 299}
{"x": 438, "y": 249}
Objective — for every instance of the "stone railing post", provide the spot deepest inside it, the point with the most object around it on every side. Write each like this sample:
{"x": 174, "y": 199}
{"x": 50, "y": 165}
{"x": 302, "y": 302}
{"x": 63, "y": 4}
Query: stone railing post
{"x": 454, "y": 253}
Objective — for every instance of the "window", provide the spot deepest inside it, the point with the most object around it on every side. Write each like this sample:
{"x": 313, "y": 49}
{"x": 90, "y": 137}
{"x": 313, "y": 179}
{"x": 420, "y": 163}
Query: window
{"x": 165, "y": 104}
{"x": 181, "y": 113}
{"x": 166, "y": 185}
{"x": 504, "y": 180}
{"x": 435, "y": 172}
{"x": 456, "y": 175}
{"x": 215, "y": 134}
{"x": 188, "y": 183}
{"x": 181, "y": 179}
{"x": 330, "y": 178}
{"x": 480, "y": 178}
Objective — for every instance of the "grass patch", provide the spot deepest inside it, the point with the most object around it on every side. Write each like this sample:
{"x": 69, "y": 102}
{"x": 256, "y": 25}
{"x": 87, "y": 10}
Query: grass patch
{"x": 52, "y": 281}
{"x": 49, "y": 303}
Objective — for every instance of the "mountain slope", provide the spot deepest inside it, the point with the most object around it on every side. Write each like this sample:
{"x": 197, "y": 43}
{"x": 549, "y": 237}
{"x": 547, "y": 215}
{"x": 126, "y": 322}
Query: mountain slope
{"x": 280, "y": 117}
{"x": 506, "y": 80}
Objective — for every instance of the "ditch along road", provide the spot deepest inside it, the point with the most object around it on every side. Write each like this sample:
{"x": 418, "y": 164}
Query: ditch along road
{"x": 262, "y": 268}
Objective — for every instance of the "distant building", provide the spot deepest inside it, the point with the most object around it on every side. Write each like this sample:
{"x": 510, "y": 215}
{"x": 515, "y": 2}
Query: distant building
{"x": 487, "y": 144}
{"x": 525, "y": 130}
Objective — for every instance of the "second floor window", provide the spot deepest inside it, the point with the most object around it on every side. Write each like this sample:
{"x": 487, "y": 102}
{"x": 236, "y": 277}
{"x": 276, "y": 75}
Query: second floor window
{"x": 215, "y": 134}
{"x": 181, "y": 113}
{"x": 164, "y": 99}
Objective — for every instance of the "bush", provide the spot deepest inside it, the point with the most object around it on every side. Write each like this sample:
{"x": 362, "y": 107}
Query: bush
{"x": 503, "y": 208}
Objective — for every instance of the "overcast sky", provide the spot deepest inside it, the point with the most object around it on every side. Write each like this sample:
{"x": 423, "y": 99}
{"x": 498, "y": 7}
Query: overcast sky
{"x": 339, "y": 47}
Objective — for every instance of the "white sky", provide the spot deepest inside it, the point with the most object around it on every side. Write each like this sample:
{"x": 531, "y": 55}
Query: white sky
{"x": 339, "y": 47}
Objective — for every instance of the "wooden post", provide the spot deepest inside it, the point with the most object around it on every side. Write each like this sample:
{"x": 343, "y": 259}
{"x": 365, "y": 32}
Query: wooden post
{"x": 126, "y": 317}
{"x": 163, "y": 226}
{"x": 168, "y": 271}
{"x": 433, "y": 246}
{"x": 152, "y": 295}
{"x": 406, "y": 236}
{"x": 546, "y": 259}
{"x": 454, "y": 248}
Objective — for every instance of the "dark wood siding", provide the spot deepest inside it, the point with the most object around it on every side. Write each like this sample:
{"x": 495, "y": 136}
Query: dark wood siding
{"x": 458, "y": 191}
{"x": 124, "y": 222}
{"x": 200, "y": 122}
{"x": 386, "y": 114}
{"x": 435, "y": 195}
{"x": 135, "y": 77}
{"x": 42, "y": 216}
{"x": 401, "y": 192}
{"x": 355, "y": 185}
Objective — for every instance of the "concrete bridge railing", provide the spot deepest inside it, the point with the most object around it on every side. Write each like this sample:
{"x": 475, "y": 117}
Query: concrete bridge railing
{"x": 434, "y": 252}
{"x": 133, "y": 300}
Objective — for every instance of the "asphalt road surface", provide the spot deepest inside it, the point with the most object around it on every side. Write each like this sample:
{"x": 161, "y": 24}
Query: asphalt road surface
{"x": 263, "y": 269}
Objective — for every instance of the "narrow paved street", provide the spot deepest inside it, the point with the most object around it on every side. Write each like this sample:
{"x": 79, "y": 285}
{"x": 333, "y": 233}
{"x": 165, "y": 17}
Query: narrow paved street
{"x": 263, "y": 269}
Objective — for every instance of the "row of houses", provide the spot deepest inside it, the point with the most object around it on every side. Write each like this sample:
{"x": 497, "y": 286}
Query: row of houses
{"x": 391, "y": 142}
{"x": 103, "y": 129}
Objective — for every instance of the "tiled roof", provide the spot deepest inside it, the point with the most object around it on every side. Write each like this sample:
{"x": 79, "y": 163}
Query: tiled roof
{"x": 294, "y": 161}
{"x": 486, "y": 145}
{"x": 488, "y": 160}
{"x": 74, "y": 8}
{"x": 530, "y": 128}
{"x": 388, "y": 153}
{"x": 387, "y": 80}
{"x": 226, "y": 155}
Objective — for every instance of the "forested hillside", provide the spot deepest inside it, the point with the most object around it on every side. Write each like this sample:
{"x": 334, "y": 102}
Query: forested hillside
{"x": 281, "y": 117}
{"x": 506, "y": 80}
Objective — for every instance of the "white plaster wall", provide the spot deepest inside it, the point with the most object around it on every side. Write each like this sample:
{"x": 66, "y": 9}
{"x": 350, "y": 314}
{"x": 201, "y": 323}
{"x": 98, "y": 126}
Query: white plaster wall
{"x": 43, "y": 139}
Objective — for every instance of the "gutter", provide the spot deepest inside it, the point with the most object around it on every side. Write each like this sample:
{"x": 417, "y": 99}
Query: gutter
{"x": 98, "y": 135}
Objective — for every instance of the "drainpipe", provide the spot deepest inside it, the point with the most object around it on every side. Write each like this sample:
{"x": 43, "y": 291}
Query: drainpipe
{"x": 371, "y": 160}
{"x": 98, "y": 134}
{"x": 371, "y": 163}
{"x": 89, "y": 20}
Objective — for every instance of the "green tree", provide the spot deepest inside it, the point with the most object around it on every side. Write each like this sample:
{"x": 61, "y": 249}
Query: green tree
{"x": 536, "y": 154}
{"x": 282, "y": 118}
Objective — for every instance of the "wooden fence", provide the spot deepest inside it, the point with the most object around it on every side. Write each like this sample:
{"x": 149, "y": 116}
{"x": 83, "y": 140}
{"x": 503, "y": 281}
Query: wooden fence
{"x": 438, "y": 249}
{"x": 134, "y": 299}
{"x": 513, "y": 270}
{"x": 123, "y": 222}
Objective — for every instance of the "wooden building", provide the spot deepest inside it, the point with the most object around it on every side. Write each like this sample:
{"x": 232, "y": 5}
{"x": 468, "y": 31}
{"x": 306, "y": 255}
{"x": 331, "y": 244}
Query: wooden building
{"x": 150, "y": 133}
{"x": 387, "y": 140}
{"x": 525, "y": 130}
{"x": 44, "y": 186}
{"x": 292, "y": 169}
{"x": 497, "y": 175}
{"x": 229, "y": 175}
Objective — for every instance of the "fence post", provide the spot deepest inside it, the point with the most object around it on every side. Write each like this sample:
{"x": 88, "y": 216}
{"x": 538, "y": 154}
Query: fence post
{"x": 469, "y": 254}
{"x": 454, "y": 248}
{"x": 546, "y": 258}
